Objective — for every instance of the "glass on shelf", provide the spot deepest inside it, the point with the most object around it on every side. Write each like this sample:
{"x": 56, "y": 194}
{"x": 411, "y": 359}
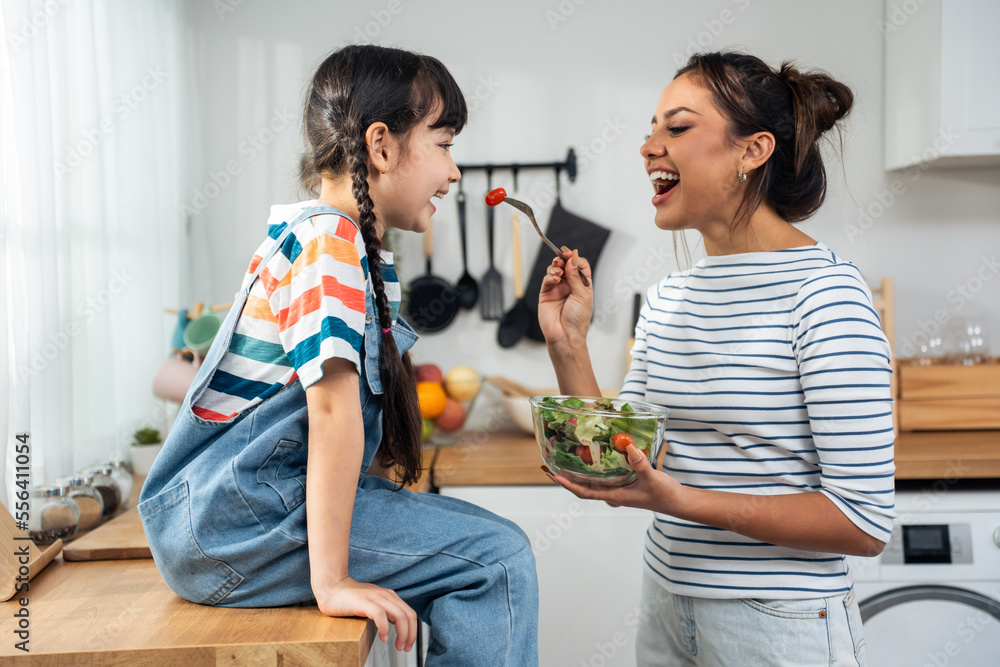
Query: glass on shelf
{"x": 53, "y": 515}
{"x": 931, "y": 351}
{"x": 967, "y": 341}
{"x": 122, "y": 476}
{"x": 88, "y": 500}
{"x": 106, "y": 485}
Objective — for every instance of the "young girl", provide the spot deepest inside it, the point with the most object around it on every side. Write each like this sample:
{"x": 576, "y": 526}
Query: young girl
{"x": 304, "y": 400}
{"x": 779, "y": 452}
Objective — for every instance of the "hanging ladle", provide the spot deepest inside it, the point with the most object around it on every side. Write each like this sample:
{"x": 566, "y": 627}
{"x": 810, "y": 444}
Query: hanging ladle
{"x": 499, "y": 196}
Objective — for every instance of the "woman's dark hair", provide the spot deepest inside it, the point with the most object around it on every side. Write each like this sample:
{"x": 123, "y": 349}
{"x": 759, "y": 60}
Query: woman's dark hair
{"x": 796, "y": 107}
{"x": 354, "y": 87}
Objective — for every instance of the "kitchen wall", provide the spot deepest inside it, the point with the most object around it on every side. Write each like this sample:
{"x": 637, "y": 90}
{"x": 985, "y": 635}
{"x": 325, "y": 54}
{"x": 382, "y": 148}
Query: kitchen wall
{"x": 544, "y": 76}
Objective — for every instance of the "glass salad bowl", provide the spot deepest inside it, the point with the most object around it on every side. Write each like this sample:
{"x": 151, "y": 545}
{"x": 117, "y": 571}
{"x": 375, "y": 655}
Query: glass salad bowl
{"x": 584, "y": 438}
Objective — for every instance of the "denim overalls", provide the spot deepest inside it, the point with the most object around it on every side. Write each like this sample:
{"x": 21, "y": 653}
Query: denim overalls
{"x": 223, "y": 509}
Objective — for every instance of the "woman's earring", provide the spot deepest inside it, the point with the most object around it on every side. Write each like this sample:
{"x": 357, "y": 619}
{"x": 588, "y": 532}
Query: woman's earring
{"x": 742, "y": 176}
{"x": 385, "y": 170}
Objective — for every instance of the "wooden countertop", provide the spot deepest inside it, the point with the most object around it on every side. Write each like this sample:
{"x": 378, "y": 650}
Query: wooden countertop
{"x": 121, "y": 613}
{"x": 513, "y": 458}
{"x": 503, "y": 459}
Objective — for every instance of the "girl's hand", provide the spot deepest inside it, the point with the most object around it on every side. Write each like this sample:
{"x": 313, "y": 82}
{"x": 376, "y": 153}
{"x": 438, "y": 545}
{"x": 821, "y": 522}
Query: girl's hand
{"x": 652, "y": 490}
{"x": 351, "y": 598}
{"x": 564, "y": 303}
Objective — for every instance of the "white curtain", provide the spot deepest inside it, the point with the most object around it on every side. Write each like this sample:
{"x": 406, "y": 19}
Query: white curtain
{"x": 96, "y": 128}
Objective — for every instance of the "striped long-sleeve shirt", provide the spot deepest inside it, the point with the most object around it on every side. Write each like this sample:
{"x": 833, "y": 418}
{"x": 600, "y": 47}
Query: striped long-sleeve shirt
{"x": 777, "y": 372}
{"x": 306, "y": 306}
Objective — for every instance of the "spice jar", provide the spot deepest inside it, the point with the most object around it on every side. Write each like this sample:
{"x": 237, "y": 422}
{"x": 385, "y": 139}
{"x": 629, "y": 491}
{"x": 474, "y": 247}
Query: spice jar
{"x": 53, "y": 515}
{"x": 89, "y": 501}
{"x": 122, "y": 476}
{"x": 110, "y": 492}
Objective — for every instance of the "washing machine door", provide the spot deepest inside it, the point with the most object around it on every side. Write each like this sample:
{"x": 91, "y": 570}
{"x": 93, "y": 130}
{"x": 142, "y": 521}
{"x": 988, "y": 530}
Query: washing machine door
{"x": 932, "y": 626}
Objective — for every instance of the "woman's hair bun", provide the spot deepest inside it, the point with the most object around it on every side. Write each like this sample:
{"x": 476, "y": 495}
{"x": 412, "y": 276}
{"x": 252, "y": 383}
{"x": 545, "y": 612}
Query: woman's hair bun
{"x": 816, "y": 97}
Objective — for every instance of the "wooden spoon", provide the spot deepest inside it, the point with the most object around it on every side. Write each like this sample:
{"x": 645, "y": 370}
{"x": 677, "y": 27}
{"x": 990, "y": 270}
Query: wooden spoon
{"x": 509, "y": 387}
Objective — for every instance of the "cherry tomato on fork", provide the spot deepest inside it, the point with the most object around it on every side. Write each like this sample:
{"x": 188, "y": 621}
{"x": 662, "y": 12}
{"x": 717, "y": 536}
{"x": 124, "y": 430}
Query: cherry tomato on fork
{"x": 496, "y": 197}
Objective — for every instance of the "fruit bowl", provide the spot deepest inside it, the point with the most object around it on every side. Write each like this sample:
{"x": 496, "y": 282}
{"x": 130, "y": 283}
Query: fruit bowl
{"x": 584, "y": 438}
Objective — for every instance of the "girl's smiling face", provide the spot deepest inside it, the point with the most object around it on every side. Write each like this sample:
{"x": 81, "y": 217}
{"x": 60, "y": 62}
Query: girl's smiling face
{"x": 423, "y": 170}
{"x": 691, "y": 160}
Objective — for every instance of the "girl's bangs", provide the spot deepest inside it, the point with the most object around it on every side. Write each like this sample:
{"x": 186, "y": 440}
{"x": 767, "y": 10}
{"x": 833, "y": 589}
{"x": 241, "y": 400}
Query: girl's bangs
{"x": 434, "y": 87}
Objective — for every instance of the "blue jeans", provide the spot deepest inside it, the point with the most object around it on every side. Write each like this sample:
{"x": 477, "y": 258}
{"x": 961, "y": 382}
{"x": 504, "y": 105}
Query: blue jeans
{"x": 223, "y": 509}
{"x": 678, "y": 630}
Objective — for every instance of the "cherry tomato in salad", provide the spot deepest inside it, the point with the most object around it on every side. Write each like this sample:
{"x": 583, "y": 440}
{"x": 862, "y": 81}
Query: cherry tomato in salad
{"x": 621, "y": 441}
{"x": 496, "y": 197}
{"x": 584, "y": 453}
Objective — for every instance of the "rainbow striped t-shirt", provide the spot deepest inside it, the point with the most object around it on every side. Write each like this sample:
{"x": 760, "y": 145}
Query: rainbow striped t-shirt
{"x": 306, "y": 306}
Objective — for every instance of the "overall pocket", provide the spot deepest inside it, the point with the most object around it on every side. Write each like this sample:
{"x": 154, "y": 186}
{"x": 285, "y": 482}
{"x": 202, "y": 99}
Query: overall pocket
{"x": 166, "y": 520}
{"x": 285, "y": 472}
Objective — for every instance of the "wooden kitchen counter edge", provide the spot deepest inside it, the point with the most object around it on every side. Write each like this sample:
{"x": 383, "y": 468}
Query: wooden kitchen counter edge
{"x": 122, "y": 613}
{"x": 507, "y": 459}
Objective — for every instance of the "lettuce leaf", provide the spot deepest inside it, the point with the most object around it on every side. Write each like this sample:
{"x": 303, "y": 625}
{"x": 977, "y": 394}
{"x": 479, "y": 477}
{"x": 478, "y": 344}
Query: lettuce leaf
{"x": 612, "y": 459}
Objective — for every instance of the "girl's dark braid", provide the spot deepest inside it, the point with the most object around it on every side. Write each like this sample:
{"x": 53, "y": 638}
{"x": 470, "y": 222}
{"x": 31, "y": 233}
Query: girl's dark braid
{"x": 401, "y": 432}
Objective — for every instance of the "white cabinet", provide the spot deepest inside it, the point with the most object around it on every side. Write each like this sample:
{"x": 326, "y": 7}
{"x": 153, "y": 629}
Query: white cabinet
{"x": 589, "y": 559}
{"x": 942, "y": 83}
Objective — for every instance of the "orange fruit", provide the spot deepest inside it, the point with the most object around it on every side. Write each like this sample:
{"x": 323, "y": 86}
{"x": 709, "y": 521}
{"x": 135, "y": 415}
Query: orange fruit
{"x": 432, "y": 399}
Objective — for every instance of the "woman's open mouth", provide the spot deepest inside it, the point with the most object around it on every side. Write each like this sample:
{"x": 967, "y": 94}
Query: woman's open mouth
{"x": 664, "y": 183}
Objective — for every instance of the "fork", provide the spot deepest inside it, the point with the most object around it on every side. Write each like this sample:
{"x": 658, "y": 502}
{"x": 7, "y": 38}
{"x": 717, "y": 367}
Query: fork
{"x": 524, "y": 208}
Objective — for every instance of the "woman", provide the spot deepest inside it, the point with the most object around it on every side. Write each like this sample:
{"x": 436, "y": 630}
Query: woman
{"x": 779, "y": 456}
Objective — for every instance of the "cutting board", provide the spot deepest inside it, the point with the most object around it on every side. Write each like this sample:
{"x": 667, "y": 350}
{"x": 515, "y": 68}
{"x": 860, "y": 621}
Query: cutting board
{"x": 14, "y": 546}
{"x": 119, "y": 539}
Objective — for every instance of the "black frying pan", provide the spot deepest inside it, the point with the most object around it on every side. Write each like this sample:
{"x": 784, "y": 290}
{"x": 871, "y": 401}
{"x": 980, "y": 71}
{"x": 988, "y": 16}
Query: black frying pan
{"x": 432, "y": 302}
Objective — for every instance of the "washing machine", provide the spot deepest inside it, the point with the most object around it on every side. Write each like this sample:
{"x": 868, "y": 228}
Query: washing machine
{"x": 932, "y": 598}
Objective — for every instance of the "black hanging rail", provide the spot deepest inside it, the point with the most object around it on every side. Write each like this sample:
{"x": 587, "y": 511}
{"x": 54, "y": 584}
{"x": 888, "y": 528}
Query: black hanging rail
{"x": 568, "y": 165}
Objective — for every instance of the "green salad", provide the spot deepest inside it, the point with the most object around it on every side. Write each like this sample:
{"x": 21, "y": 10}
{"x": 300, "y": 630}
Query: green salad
{"x": 594, "y": 444}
